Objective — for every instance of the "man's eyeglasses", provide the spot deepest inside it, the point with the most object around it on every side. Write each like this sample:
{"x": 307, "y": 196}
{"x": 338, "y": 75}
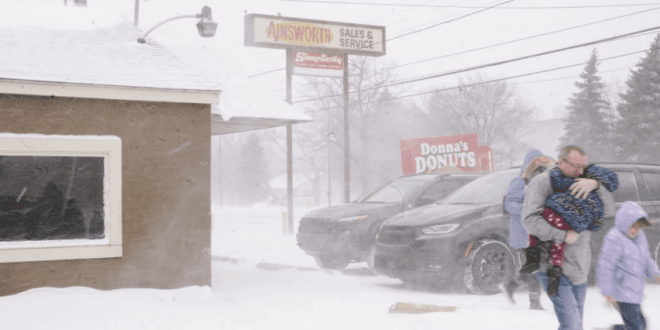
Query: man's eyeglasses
{"x": 581, "y": 167}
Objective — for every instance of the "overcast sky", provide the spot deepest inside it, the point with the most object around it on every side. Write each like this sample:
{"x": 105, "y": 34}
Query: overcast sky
{"x": 227, "y": 58}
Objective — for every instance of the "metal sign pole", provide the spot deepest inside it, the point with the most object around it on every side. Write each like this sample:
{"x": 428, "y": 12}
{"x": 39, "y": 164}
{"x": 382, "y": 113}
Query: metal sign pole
{"x": 136, "y": 13}
{"x": 316, "y": 36}
{"x": 289, "y": 143}
{"x": 347, "y": 151}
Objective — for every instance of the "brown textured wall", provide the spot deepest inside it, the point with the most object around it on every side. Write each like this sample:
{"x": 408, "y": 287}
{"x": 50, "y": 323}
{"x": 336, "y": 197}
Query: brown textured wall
{"x": 166, "y": 191}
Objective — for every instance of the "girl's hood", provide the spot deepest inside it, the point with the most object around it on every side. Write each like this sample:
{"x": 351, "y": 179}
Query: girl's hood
{"x": 627, "y": 215}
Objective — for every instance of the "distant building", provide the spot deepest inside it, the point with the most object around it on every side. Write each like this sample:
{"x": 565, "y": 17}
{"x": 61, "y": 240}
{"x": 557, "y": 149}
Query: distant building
{"x": 303, "y": 191}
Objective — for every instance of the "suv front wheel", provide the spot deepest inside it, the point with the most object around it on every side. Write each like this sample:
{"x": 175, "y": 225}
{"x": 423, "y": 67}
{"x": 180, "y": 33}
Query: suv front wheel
{"x": 490, "y": 264}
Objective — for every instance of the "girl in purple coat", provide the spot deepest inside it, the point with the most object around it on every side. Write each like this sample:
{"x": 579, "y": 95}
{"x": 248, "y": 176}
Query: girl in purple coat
{"x": 625, "y": 263}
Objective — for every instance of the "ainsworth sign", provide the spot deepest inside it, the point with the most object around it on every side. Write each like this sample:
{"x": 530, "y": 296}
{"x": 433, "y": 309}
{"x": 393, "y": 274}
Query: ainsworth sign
{"x": 314, "y": 35}
{"x": 454, "y": 153}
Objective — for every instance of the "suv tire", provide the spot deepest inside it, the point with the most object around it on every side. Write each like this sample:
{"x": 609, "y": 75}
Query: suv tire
{"x": 490, "y": 264}
{"x": 330, "y": 261}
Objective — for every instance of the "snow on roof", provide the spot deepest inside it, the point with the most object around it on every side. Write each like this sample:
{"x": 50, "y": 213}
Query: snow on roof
{"x": 88, "y": 46}
{"x": 250, "y": 102}
{"x": 240, "y": 98}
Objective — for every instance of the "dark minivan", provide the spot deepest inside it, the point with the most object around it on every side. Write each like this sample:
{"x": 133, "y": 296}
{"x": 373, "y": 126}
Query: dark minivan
{"x": 462, "y": 240}
{"x": 338, "y": 235}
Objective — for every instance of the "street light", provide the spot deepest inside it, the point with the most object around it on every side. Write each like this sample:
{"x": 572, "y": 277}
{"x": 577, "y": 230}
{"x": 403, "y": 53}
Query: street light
{"x": 206, "y": 26}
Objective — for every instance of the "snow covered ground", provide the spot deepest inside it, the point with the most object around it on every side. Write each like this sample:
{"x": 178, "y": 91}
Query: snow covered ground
{"x": 261, "y": 280}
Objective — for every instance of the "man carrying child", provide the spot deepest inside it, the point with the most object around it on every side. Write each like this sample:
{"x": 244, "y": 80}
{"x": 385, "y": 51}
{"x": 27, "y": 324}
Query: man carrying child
{"x": 572, "y": 289}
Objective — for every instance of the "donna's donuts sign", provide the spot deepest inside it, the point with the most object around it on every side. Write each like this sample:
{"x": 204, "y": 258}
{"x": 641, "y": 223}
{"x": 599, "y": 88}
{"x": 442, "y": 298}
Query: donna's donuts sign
{"x": 454, "y": 153}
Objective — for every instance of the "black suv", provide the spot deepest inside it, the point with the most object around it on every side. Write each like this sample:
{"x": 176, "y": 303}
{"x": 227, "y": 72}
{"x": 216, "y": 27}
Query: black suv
{"x": 338, "y": 235}
{"x": 462, "y": 240}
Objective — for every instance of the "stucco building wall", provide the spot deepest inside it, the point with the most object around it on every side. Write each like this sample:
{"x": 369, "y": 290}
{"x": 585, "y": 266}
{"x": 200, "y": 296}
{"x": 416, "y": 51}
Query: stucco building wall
{"x": 165, "y": 191}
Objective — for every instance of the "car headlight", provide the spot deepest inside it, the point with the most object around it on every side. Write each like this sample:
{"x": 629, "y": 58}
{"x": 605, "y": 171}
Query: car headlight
{"x": 356, "y": 218}
{"x": 439, "y": 229}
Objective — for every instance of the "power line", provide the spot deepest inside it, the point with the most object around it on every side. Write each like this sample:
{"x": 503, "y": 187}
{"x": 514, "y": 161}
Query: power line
{"x": 470, "y": 7}
{"x": 409, "y": 33}
{"x": 501, "y": 62}
{"x": 449, "y": 21}
{"x": 409, "y": 18}
{"x": 517, "y": 40}
{"x": 599, "y": 60}
{"x": 506, "y": 42}
{"x": 566, "y": 77}
{"x": 483, "y": 82}
{"x": 530, "y": 37}
{"x": 388, "y": 24}
{"x": 427, "y": 12}
{"x": 405, "y": 10}
{"x": 263, "y": 73}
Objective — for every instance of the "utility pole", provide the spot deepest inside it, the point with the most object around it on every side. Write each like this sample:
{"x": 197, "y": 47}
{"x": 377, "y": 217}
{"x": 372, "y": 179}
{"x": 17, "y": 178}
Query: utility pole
{"x": 137, "y": 12}
{"x": 220, "y": 169}
{"x": 289, "y": 142}
{"x": 347, "y": 146}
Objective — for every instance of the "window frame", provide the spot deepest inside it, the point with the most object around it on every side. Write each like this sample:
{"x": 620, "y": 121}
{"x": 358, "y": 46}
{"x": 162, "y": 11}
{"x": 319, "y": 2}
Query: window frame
{"x": 108, "y": 147}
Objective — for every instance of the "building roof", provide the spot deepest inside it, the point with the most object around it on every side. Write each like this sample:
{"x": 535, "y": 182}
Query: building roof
{"x": 75, "y": 51}
{"x": 243, "y": 105}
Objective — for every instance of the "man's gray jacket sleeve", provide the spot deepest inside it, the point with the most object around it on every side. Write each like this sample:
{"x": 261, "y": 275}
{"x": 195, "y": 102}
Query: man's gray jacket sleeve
{"x": 538, "y": 190}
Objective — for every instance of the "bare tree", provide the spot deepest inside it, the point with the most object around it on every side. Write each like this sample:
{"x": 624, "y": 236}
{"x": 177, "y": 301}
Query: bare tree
{"x": 612, "y": 93}
{"x": 378, "y": 121}
{"x": 368, "y": 97}
{"x": 493, "y": 110}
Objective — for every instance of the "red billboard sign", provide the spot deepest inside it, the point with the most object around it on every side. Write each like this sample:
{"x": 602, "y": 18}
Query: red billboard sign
{"x": 318, "y": 61}
{"x": 317, "y": 64}
{"x": 454, "y": 153}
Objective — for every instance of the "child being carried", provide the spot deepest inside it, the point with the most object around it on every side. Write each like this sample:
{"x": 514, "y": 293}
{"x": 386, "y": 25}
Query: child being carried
{"x": 564, "y": 211}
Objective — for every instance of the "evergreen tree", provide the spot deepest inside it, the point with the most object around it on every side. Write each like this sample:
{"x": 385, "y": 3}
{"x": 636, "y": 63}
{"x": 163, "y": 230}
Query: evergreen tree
{"x": 585, "y": 123}
{"x": 252, "y": 180}
{"x": 637, "y": 134}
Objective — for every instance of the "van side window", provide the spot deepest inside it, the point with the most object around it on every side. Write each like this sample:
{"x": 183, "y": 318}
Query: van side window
{"x": 652, "y": 181}
{"x": 627, "y": 190}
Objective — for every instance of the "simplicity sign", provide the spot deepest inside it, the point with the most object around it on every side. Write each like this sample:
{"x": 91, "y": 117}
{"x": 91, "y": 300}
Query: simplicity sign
{"x": 313, "y": 35}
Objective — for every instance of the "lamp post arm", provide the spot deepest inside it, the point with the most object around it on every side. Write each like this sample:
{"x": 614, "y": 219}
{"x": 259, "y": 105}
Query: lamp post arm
{"x": 142, "y": 40}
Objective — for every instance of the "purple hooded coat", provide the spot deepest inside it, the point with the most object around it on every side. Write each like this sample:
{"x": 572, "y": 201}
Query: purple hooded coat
{"x": 513, "y": 202}
{"x": 625, "y": 263}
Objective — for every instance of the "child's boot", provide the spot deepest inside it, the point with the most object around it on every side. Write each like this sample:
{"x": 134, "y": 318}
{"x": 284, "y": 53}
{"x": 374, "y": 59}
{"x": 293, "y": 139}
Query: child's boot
{"x": 553, "y": 280}
{"x": 533, "y": 256}
{"x": 535, "y": 305}
{"x": 535, "y": 301}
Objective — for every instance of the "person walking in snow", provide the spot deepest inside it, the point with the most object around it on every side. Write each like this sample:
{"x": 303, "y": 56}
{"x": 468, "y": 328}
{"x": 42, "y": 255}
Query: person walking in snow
{"x": 569, "y": 302}
{"x": 625, "y": 263}
{"x": 565, "y": 212}
{"x": 533, "y": 164}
